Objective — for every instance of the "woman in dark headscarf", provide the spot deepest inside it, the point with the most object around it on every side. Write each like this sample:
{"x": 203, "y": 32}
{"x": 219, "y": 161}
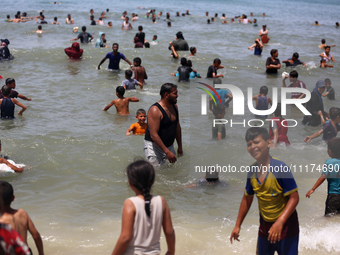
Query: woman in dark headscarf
{"x": 74, "y": 51}
{"x": 138, "y": 43}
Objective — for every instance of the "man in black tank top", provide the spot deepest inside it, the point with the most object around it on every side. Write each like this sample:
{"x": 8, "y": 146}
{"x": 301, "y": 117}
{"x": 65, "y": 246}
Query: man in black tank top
{"x": 163, "y": 128}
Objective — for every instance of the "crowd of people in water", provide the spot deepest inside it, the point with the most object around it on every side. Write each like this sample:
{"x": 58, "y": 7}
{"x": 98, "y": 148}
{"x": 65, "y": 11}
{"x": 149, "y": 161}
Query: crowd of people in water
{"x": 144, "y": 215}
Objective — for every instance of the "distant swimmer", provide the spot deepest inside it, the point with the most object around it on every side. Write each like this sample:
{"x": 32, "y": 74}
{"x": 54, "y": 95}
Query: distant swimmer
{"x": 257, "y": 46}
{"x": 55, "y": 21}
{"x": 42, "y": 19}
{"x": 323, "y": 44}
{"x": 323, "y": 64}
{"x": 93, "y": 21}
{"x": 264, "y": 34}
{"x": 294, "y": 60}
{"x": 102, "y": 15}
{"x": 316, "y": 23}
{"x": 255, "y": 23}
{"x": 121, "y": 103}
{"x": 69, "y": 20}
{"x": 83, "y": 36}
{"x": 193, "y": 51}
{"x": 17, "y": 19}
{"x": 154, "y": 40}
{"x": 327, "y": 56}
{"x": 126, "y": 24}
{"x": 101, "y": 21}
{"x": 244, "y": 19}
{"x": 40, "y": 31}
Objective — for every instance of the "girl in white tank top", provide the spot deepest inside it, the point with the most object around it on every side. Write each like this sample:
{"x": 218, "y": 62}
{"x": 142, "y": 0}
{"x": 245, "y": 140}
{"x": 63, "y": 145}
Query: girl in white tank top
{"x": 144, "y": 215}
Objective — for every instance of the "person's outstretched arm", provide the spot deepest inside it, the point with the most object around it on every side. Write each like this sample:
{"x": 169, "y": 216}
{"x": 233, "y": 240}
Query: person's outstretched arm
{"x": 133, "y": 99}
{"x": 24, "y": 98}
{"x": 109, "y": 105}
{"x": 321, "y": 179}
{"x": 244, "y": 208}
{"x": 168, "y": 229}
{"x": 316, "y": 134}
{"x": 128, "y": 61}
{"x": 101, "y": 62}
{"x": 23, "y": 107}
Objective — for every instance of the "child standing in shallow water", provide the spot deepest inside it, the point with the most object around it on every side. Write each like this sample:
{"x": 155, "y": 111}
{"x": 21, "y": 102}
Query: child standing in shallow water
{"x": 139, "y": 127}
{"x": 143, "y": 215}
{"x": 140, "y": 73}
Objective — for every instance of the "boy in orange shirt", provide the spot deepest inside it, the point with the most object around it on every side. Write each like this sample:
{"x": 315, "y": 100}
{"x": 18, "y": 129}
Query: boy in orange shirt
{"x": 139, "y": 127}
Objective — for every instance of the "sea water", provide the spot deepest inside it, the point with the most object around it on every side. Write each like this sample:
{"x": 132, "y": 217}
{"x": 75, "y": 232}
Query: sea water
{"x": 75, "y": 183}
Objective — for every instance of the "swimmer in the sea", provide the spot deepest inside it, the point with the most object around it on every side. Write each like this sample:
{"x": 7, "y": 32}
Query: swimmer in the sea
{"x": 323, "y": 44}
{"x": 121, "y": 103}
{"x": 40, "y": 31}
{"x": 55, "y": 21}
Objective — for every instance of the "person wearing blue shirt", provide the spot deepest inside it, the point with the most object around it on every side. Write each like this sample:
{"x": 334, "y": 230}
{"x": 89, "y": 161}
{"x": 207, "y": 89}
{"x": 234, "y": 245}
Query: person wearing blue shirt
{"x": 225, "y": 96}
{"x": 114, "y": 58}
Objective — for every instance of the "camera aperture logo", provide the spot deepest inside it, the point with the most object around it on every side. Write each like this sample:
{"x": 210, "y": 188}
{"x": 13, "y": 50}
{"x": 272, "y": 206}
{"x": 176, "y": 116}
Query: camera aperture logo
{"x": 238, "y": 103}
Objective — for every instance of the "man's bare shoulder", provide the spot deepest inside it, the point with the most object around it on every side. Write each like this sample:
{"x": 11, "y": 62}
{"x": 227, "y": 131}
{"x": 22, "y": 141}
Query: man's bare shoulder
{"x": 21, "y": 213}
{"x": 154, "y": 111}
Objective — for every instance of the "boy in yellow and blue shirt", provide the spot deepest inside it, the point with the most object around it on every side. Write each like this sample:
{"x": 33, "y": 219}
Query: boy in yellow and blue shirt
{"x": 274, "y": 185}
